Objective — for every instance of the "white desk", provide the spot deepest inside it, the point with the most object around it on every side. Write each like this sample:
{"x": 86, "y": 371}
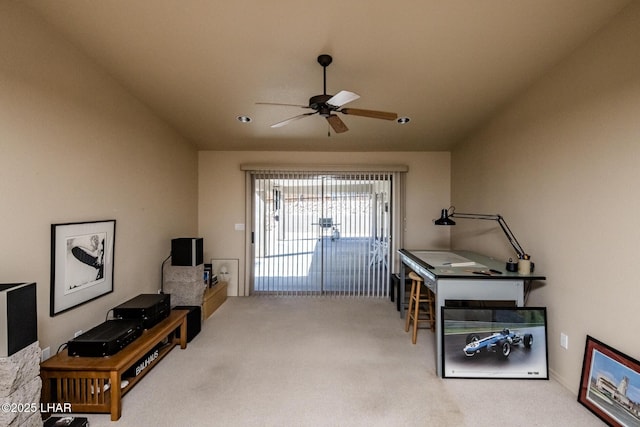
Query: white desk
{"x": 461, "y": 283}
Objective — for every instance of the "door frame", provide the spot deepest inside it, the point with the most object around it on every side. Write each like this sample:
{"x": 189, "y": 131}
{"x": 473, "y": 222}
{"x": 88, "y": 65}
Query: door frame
{"x": 398, "y": 196}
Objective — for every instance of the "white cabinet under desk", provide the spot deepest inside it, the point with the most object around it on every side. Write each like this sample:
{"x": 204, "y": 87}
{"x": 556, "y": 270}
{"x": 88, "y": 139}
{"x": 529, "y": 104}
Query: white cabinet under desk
{"x": 463, "y": 276}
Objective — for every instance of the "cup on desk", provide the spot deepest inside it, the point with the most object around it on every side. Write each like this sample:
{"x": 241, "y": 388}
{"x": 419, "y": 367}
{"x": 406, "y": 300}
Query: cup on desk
{"x": 524, "y": 266}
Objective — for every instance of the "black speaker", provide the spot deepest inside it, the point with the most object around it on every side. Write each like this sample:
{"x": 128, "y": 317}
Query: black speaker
{"x": 187, "y": 251}
{"x": 18, "y": 317}
{"x": 194, "y": 322}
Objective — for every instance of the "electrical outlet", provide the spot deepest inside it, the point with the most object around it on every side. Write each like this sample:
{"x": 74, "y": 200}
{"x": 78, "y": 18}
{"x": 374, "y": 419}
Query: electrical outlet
{"x": 46, "y": 353}
{"x": 78, "y": 333}
{"x": 564, "y": 340}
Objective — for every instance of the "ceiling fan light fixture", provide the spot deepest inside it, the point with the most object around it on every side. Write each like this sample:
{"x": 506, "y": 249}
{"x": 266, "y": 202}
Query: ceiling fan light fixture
{"x": 244, "y": 119}
{"x": 404, "y": 120}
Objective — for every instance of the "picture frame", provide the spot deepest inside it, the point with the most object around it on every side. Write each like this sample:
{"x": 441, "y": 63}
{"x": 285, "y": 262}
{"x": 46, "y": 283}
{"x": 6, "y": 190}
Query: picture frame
{"x": 82, "y": 263}
{"x": 610, "y": 384}
{"x": 494, "y": 342}
{"x": 226, "y": 270}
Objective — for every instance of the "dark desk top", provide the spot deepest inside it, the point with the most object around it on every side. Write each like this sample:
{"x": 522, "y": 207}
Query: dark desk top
{"x": 463, "y": 264}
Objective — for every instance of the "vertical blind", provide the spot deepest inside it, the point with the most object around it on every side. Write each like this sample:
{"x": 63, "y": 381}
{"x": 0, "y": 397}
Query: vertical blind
{"x": 318, "y": 233}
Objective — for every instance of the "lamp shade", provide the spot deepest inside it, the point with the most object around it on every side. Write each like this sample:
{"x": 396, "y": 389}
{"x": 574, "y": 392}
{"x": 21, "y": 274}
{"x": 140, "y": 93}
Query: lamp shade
{"x": 444, "y": 218}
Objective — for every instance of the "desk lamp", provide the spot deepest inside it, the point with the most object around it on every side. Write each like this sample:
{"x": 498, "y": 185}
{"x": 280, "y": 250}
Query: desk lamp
{"x": 447, "y": 214}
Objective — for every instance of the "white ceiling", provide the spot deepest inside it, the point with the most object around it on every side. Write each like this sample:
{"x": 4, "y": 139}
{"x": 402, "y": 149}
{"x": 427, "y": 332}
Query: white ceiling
{"x": 446, "y": 64}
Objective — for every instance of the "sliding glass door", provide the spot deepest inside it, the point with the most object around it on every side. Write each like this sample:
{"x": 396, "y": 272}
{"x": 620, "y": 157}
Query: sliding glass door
{"x": 321, "y": 233}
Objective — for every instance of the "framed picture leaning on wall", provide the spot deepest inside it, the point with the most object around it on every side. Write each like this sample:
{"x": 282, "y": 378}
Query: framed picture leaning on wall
{"x": 500, "y": 342}
{"x": 82, "y": 256}
{"x": 610, "y": 384}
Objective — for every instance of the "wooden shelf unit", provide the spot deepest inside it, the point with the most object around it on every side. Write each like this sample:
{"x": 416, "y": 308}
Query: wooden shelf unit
{"x": 213, "y": 298}
{"x": 81, "y": 381}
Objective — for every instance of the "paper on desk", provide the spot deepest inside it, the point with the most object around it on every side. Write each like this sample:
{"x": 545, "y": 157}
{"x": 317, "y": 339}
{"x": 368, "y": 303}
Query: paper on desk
{"x": 462, "y": 264}
{"x": 446, "y": 259}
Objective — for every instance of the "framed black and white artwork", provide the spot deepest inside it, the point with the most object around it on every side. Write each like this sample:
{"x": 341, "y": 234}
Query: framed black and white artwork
{"x": 82, "y": 255}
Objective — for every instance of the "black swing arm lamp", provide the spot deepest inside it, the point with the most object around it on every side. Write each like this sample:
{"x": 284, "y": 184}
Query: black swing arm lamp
{"x": 447, "y": 214}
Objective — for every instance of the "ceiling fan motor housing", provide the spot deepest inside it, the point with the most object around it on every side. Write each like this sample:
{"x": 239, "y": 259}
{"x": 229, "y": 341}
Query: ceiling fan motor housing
{"x": 319, "y": 103}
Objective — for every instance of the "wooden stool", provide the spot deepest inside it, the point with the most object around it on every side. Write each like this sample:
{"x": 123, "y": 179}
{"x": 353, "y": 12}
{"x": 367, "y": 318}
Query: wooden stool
{"x": 417, "y": 298}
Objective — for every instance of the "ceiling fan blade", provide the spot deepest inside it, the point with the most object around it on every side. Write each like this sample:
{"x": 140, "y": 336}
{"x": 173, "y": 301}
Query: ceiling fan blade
{"x": 342, "y": 97}
{"x": 337, "y": 124}
{"x": 292, "y": 119}
{"x": 370, "y": 113}
{"x": 284, "y": 105}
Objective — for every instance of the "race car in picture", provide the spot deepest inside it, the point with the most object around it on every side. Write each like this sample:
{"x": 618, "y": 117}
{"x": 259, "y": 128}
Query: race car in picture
{"x": 499, "y": 343}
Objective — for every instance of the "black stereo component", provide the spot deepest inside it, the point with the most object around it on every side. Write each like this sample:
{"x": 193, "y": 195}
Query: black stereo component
{"x": 194, "y": 320}
{"x": 150, "y": 309}
{"x": 106, "y": 339}
{"x": 187, "y": 251}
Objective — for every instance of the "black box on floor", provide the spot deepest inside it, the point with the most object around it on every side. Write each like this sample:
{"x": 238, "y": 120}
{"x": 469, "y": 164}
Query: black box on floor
{"x": 150, "y": 309}
{"x": 66, "y": 422}
{"x": 194, "y": 321}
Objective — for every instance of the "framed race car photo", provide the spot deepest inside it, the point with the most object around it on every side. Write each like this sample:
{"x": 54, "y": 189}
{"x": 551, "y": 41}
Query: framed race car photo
{"x": 499, "y": 342}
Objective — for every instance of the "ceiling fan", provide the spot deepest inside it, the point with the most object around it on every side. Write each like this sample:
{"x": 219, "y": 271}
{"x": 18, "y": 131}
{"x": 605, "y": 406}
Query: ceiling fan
{"x": 327, "y": 105}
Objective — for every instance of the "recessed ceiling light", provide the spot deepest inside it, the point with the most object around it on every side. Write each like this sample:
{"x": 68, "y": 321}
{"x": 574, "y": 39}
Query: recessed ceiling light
{"x": 244, "y": 119}
{"x": 404, "y": 120}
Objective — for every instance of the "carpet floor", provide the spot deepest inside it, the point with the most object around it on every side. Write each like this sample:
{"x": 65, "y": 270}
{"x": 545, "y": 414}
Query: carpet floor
{"x": 326, "y": 361}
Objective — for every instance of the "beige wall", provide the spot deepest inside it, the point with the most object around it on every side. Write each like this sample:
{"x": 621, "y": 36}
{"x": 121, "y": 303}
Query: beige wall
{"x": 75, "y": 147}
{"x": 222, "y": 195}
{"x": 561, "y": 164}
